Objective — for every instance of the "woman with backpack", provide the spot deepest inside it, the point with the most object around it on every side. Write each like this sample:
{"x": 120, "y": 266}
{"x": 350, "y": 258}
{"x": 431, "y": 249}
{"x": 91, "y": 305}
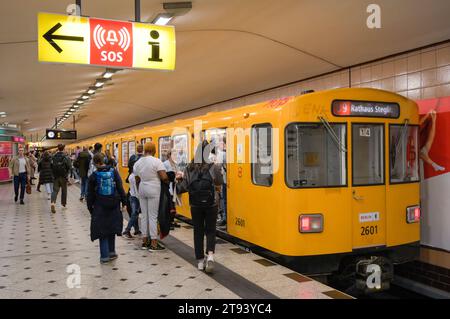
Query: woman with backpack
{"x": 46, "y": 173}
{"x": 105, "y": 193}
{"x": 202, "y": 179}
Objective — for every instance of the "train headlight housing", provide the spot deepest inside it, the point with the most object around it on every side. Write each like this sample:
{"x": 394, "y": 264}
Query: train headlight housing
{"x": 311, "y": 223}
{"x": 413, "y": 214}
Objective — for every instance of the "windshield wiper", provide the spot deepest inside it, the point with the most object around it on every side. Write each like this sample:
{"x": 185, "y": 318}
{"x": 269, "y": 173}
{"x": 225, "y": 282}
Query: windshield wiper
{"x": 402, "y": 135}
{"x": 333, "y": 135}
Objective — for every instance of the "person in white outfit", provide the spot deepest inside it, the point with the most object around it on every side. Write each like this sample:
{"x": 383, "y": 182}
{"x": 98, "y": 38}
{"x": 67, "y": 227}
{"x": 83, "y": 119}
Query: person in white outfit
{"x": 149, "y": 172}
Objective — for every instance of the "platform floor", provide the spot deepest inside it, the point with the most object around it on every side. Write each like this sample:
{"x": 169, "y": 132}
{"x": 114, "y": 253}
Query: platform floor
{"x": 37, "y": 247}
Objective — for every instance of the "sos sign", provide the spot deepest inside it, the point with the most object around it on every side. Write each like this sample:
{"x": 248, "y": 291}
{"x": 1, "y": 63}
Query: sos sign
{"x": 111, "y": 42}
{"x": 121, "y": 44}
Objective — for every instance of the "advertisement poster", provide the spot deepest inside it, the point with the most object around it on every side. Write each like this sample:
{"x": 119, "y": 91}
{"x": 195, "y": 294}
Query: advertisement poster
{"x": 125, "y": 154}
{"x": 5, "y": 157}
{"x": 435, "y": 168}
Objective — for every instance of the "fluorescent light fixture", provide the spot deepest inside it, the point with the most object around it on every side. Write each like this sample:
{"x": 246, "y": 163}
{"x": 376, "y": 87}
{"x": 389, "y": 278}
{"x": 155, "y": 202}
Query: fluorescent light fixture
{"x": 75, "y": 106}
{"x": 85, "y": 97}
{"x": 66, "y": 116}
{"x": 3, "y": 115}
{"x": 107, "y": 74}
{"x": 80, "y": 102}
{"x": 162, "y": 18}
{"x": 99, "y": 84}
{"x": 91, "y": 90}
{"x": 72, "y": 109}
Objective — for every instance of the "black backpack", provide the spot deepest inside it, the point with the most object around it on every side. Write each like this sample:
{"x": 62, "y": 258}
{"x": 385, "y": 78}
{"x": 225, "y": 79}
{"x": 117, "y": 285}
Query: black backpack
{"x": 201, "y": 189}
{"x": 59, "y": 166}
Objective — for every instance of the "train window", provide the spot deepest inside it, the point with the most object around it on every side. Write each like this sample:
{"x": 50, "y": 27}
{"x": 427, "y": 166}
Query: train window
{"x": 165, "y": 144}
{"x": 314, "y": 158}
{"x": 125, "y": 154}
{"x": 368, "y": 154}
{"x": 180, "y": 151}
{"x": 146, "y": 140}
{"x": 218, "y": 140}
{"x": 179, "y": 146}
{"x": 404, "y": 153}
{"x": 262, "y": 171}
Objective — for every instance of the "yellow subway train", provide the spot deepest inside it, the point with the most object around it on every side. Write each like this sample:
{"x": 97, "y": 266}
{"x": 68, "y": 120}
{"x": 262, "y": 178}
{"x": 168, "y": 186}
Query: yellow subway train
{"x": 327, "y": 181}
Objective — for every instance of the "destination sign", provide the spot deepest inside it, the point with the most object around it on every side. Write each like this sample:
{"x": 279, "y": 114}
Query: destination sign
{"x": 365, "y": 109}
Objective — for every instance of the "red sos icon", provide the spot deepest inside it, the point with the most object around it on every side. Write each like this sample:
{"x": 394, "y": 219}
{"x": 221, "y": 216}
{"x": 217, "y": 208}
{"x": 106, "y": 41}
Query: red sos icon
{"x": 111, "y": 43}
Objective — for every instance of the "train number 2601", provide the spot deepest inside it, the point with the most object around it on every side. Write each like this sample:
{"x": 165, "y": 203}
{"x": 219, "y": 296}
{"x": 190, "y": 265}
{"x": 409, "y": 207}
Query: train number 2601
{"x": 369, "y": 230}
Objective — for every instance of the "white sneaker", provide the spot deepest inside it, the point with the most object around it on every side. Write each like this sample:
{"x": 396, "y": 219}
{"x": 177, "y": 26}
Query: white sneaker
{"x": 209, "y": 268}
{"x": 201, "y": 265}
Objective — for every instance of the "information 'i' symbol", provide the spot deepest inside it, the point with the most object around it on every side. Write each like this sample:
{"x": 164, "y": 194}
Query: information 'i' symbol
{"x": 155, "y": 47}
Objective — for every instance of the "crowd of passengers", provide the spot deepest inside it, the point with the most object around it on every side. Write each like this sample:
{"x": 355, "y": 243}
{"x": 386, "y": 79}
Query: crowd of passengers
{"x": 154, "y": 186}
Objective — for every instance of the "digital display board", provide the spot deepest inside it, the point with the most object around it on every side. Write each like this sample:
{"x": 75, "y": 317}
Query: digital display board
{"x": 61, "y": 135}
{"x": 365, "y": 109}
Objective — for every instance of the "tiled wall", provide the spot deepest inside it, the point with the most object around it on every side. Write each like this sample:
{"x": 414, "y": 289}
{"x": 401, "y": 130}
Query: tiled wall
{"x": 422, "y": 74}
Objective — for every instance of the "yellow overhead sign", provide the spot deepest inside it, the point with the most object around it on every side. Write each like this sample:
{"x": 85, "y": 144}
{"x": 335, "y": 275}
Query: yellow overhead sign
{"x": 120, "y": 44}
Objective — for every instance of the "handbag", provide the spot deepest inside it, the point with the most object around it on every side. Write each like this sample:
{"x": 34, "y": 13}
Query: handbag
{"x": 28, "y": 188}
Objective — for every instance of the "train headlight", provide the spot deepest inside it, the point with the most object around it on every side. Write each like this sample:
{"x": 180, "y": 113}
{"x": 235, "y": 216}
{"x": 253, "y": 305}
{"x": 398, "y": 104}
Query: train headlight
{"x": 311, "y": 223}
{"x": 413, "y": 214}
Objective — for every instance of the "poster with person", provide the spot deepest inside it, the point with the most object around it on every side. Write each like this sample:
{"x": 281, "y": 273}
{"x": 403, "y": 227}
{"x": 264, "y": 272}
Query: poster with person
{"x": 435, "y": 167}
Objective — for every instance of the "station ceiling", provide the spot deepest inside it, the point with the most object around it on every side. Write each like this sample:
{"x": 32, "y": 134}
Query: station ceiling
{"x": 225, "y": 49}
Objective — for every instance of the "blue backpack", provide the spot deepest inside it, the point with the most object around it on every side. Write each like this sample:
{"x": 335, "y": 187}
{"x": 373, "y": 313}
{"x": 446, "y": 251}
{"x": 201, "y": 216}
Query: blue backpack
{"x": 106, "y": 186}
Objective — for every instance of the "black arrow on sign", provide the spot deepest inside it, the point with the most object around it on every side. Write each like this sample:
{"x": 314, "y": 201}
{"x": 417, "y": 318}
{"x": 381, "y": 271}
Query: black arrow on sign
{"x": 50, "y": 37}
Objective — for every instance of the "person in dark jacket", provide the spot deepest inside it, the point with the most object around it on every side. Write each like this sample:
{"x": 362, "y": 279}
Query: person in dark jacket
{"x": 46, "y": 173}
{"x": 105, "y": 193}
{"x": 61, "y": 166}
{"x": 204, "y": 214}
{"x": 82, "y": 163}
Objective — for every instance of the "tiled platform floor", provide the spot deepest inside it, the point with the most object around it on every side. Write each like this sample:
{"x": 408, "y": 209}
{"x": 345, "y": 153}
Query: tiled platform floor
{"x": 37, "y": 247}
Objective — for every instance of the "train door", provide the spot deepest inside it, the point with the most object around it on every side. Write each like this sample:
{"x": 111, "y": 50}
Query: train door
{"x": 218, "y": 139}
{"x": 368, "y": 185}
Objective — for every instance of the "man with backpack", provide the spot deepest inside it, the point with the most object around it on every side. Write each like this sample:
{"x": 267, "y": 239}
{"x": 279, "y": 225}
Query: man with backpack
{"x": 202, "y": 179}
{"x": 105, "y": 194}
{"x": 61, "y": 166}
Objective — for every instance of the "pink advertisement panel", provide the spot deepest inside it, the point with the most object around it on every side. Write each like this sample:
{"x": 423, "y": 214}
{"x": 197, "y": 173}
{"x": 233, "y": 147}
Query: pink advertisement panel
{"x": 5, "y": 157}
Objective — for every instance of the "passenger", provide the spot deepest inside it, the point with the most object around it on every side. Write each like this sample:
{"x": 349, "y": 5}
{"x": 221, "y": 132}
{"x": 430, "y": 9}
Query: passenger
{"x": 73, "y": 171}
{"x": 149, "y": 172}
{"x": 77, "y": 151}
{"x": 221, "y": 160}
{"x": 135, "y": 209}
{"x": 97, "y": 149}
{"x": 171, "y": 169}
{"x": 21, "y": 170}
{"x": 33, "y": 164}
{"x": 46, "y": 173}
{"x": 105, "y": 193}
{"x": 61, "y": 166}
{"x": 202, "y": 179}
{"x": 82, "y": 163}
{"x": 134, "y": 158}
{"x": 110, "y": 159}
